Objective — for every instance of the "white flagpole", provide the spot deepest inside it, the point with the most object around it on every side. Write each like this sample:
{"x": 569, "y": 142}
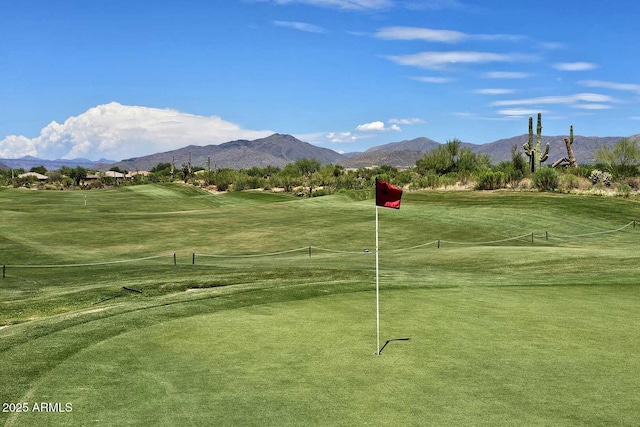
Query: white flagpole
{"x": 377, "y": 289}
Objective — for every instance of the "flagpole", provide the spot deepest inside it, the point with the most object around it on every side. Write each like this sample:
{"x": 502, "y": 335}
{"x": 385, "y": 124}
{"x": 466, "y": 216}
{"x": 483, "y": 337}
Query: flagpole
{"x": 377, "y": 289}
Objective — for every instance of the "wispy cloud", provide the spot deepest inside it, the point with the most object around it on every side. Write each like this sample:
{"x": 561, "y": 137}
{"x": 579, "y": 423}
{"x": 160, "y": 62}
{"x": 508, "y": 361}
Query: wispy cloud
{"x": 409, "y": 121}
{"x": 507, "y": 75}
{"x": 494, "y": 91}
{"x": 300, "y": 26}
{"x": 341, "y": 4}
{"x": 520, "y": 112}
{"x": 426, "y": 34}
{"x": 442, "y": 36}
{"x": 574, "y": 66}
{"x": 631, "y": 87}
{"x": 341, "y": 137}
{"x": 440, "y": 60}
{"x": 435, "y": 5}
{"x": 116, "y": 131}
{"x": 377, "y": 126}
{"x": 553, "y": 45}
{"x": 374, "y": 5}
{"x": 568, "y": 99}
{"x": 593, "y": 106}
{"x": 436, "y": 80}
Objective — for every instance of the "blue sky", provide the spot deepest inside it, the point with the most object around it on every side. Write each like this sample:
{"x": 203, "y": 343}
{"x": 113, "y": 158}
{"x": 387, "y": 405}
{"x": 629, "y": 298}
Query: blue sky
{"x": 125, "y": 78}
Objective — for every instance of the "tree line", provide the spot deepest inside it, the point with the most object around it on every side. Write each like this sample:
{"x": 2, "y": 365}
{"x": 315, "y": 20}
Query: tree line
{"x": 448, "y": 165}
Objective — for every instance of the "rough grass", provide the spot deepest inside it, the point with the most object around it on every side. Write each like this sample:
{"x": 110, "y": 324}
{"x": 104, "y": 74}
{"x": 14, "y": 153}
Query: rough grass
{"x": 514, "y": 332}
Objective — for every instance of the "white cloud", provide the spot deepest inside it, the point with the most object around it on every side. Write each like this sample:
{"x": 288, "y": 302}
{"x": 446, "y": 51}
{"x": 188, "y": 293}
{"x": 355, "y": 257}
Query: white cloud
{"x": 569, "y": 99}
{"x": 377, "y": 126}
{"x": 435, "y": 5}
{"x": 300, "y": 26}
{"x": 341, "y": 137}
{"x": 364, "y": 5}
{"x": 520, "y": 112}
{"x": 426, "y": 34}
{"x": 494, "y": 91}
{"x": 116, "y": 131}
{"x": 593, "y": 106}
{"x": 439, "y": 60}
{"x": 15, "y": 146}
{"x": 574, "y": 66}
{"x": 342, "y": 4}
{"x": 409, "y": 121}
{"x": 631, "y": 87}
{"x": 442, "y": 36}
{"x": 436, "y": 80}
{"x": 507, "y": 75}
{"x": 553, "y": 45}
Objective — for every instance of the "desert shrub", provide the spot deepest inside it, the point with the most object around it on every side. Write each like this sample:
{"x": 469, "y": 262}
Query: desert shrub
{"x": 223, "y": 179}
{"x": 623, "y": 190}
{"x": 243, "y": 182}
{"x": 599, "y": 177}
{"x": 429, "y": 181}
{"x": 546, "y": 179}
{"x": 98, "y": 183}
{"x": 449, "y": 179}
{"x": 490, "y": 180}
{"x": 633, "y": 182}
{"x": 569, "y": 182}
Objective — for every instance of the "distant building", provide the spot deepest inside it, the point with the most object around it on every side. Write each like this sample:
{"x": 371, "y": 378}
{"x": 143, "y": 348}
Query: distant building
{"x": 114, "y": 174}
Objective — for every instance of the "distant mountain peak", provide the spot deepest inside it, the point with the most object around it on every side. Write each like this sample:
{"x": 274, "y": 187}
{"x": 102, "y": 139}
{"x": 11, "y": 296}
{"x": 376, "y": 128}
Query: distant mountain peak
{"x": 274, "y": 150}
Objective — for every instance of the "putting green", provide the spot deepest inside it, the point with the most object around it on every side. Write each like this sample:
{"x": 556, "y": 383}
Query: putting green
{"x": 485, "y": 356}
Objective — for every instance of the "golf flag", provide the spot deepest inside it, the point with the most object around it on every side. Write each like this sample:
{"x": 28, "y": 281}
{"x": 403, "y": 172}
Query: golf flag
{"x": 387, "y": 195}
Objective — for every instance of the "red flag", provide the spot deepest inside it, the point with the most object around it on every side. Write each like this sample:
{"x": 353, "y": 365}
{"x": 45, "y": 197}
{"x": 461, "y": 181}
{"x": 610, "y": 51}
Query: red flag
{"x": 387, "y": 195}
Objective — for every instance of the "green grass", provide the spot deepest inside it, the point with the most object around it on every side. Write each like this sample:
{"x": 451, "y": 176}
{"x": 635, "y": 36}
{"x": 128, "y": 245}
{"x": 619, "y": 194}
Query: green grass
{"x": 509, "y": 333}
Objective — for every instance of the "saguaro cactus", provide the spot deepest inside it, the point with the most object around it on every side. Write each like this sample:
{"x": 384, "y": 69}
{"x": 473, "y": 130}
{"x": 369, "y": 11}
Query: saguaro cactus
{"x": 535, "y": 154}
{"x": 570, "y": 160}
{"x": 569, "y": 142}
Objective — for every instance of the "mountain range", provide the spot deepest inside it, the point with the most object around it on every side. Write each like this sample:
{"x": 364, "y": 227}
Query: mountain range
{"x": 279, "y": 150}
{"x": 28, "y": 162}
{"x": 275, "y": 150}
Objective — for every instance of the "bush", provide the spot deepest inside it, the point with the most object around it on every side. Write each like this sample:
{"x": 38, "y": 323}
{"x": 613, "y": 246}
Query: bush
{"x": 623, "y": 190}
{"x": 449, "y": 179}
{"x": 569, "y": 182}
{"x": 490, "y": 181}
{"x": 633, "y": 182}
{"x": 599, "y": 177}
{"x": 546, "y": 179}
{"x": 430, "y": 181}
{"x": 320, "y": 192}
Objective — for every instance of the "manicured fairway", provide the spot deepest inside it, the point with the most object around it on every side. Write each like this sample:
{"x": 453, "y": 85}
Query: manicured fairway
{"x": 505, "y": 332}
{"x": 508, "y": 355}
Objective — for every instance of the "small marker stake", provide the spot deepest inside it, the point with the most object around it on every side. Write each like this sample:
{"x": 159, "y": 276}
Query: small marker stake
{"x": 438, "y": 243}
{"x": 193, "y": 258}
{"x": 174, "y": 259}
{"x": 4, "y": 268}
